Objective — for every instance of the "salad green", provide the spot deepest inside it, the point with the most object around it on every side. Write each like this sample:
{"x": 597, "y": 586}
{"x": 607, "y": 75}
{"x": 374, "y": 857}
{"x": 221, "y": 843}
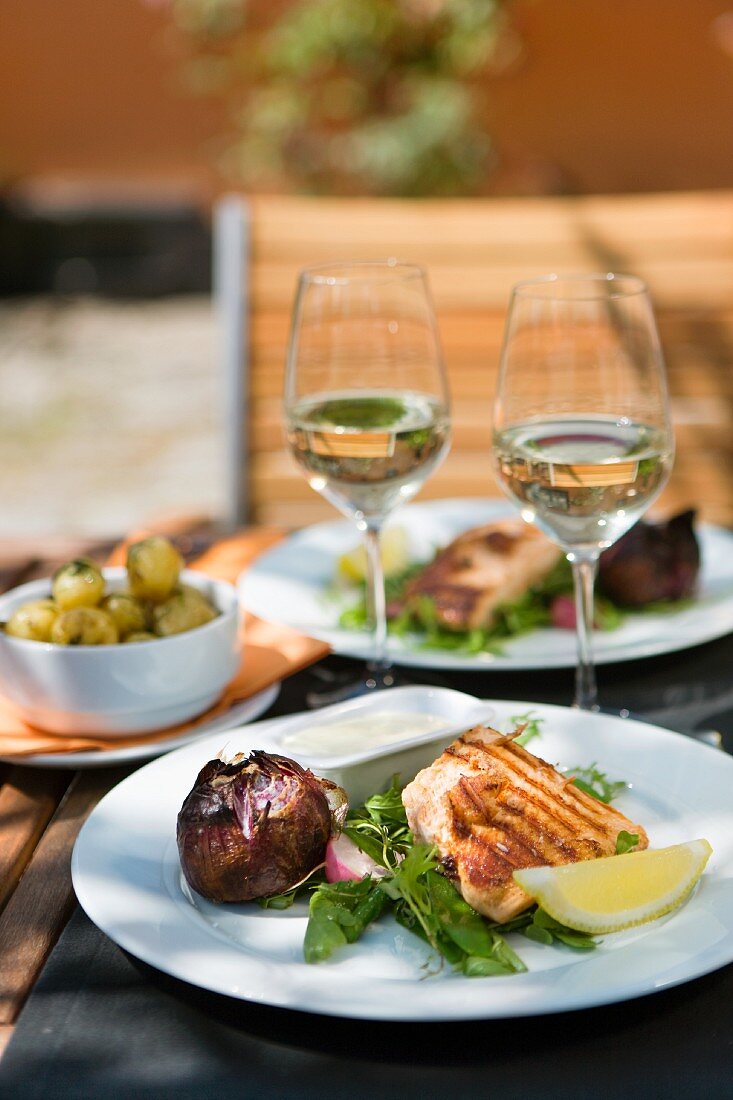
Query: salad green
{"x": 413, "y": 887}
{"x": 532, "y": 610}
{"x": 422, "y": 898}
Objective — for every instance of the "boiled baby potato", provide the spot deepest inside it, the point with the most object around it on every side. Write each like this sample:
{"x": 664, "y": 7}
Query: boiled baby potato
{"x": 33, "y": 620}
{"x": 140, "y": 636}
{"x": 78, "y": 583}
{"x": 192, "y": 593}
{"x": 84, "y": 626}
{"x": 153, "y": 567}
{"x": 127, "y": 613}
{"x": 185, "y": 609}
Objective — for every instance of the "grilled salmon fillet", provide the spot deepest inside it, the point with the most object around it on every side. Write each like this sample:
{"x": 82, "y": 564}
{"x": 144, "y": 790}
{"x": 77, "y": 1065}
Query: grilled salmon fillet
{"x": 480, "y": 570}
{"x": 490, "y": 807}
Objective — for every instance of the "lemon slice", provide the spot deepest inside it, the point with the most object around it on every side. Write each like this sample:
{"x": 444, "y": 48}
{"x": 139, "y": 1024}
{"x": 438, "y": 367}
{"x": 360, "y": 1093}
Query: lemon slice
{"x": 606, "y": 895}
{"x": 395, "y": 553}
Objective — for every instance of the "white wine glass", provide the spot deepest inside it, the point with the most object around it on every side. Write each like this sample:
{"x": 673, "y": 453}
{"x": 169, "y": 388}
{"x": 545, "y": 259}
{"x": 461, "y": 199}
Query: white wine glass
{"x": 366, "y": 405}
{"x": 582, "y": 437}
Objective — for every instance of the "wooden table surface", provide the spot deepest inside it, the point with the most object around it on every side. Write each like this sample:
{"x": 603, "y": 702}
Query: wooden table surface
{"x": 42, "y": 810}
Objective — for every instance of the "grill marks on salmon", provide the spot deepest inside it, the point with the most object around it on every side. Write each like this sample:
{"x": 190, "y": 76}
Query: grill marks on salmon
{"x": 480, "y": 570}
{"x": 491, "y": 807}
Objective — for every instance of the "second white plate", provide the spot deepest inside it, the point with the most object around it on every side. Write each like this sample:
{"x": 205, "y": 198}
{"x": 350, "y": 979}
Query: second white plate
{"x": 290, "y": 584}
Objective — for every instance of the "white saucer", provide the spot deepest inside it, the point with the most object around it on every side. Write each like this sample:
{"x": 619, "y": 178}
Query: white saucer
{"x": 246, "y": 711}
{"x": 292, "y": 583}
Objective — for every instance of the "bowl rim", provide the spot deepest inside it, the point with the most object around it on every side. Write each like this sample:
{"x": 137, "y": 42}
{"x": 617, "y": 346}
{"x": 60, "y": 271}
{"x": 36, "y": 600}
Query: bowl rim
{"x": 114, "y": 572}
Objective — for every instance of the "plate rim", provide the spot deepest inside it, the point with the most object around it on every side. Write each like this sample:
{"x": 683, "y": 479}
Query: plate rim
{"x": 671, "y": 642}
{"x": 709, "y": 958}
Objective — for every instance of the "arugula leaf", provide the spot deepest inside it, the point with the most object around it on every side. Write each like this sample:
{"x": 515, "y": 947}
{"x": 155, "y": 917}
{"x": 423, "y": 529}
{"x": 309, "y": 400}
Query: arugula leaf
{"x": 395, "y": 583}
{"x": 380, "y": 828}
{"x": 558, "y": 581}
{"x": 407, "y": 884}
{"x": 278, "y": 901}
{"x": 542, "y": 928}
{"x": 465, "y": 926}
{"x": 357, "y": 617}
{"x": 286, "y": 899}
{"x": 526, "y": 613}
{"x": 532, "y": 727}
{"x": 482, "y": 967}
{"x": 606, "y": 615}
{"x": 354, "y": 618}
{"x": 445, "y": 947}
{"x": 429, "y": 905}
{"x": 540, "y": 935}
{"x": 339, "y": 914}
{"x": 626, "y": 842}
{"x": 596, "y": 783}
{"x": 372, "y": 840}
{"x": 401, "y": 624}
{"x": 388, "y": 808}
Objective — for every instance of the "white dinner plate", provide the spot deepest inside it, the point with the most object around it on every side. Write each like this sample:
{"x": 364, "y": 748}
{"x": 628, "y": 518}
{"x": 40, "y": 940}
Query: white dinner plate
{"x": 293, "y": 584}
{"x": 127, "y": 877}
{"x": 237, "y": 715}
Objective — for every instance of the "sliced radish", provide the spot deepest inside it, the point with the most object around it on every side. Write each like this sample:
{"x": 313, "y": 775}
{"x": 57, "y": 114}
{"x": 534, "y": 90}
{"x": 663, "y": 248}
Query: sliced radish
{"x": 563, "y": 612}
{"x": 344, "y": 861}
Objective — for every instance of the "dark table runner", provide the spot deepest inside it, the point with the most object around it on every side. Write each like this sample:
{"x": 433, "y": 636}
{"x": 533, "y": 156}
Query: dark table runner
{"x": 100, "y": 1023}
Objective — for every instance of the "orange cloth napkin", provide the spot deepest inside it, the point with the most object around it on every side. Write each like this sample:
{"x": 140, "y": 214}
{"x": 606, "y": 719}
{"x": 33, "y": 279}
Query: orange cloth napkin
{"x": 270, "y": 654}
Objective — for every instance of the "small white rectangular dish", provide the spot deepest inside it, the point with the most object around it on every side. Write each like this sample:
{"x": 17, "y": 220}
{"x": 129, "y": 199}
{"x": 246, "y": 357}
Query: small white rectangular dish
{"x": 362, "y": 743}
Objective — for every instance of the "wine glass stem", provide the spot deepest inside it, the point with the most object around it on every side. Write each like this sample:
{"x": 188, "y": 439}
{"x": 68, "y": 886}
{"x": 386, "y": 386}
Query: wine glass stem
{"x": 584, "y": 574}
{"x": 376, "y": 600}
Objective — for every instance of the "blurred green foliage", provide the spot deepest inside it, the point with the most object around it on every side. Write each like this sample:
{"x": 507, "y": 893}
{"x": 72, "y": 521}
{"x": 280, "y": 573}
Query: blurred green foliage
{"x": 349, "y": 96}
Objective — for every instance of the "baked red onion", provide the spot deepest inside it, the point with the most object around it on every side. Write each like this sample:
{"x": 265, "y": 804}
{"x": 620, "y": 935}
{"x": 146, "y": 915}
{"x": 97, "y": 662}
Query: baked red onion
{"x": 652, "y": 562}
{"x": 255, "y": 826}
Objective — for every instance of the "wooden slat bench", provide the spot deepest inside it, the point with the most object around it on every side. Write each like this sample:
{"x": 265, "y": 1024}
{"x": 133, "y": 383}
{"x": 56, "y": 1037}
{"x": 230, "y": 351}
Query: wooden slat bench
{"x": 474, "y": 250}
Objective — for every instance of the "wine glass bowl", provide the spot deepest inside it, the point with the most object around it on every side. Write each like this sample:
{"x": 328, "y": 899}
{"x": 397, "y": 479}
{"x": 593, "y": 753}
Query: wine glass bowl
{"x": 366, "y": 401}
{"x": 582, "y": 438}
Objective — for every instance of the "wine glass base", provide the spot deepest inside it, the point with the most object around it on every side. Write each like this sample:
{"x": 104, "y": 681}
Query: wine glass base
{"x": 617, "y": 712}
{"x": 710, "y": 737}
{"x": 372, "y": 679}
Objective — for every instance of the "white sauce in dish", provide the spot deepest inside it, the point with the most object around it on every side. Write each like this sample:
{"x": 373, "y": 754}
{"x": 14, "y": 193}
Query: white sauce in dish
{"x": 367, "y": 731}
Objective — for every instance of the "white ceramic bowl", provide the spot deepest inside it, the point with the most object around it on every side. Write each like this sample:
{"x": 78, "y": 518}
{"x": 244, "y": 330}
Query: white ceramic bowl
{"x": 118, "y": 689}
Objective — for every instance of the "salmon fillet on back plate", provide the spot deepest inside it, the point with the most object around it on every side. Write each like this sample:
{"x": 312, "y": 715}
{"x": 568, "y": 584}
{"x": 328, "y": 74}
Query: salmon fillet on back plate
{"x": 480, "y": 570}
{"x": 491, "y": 807}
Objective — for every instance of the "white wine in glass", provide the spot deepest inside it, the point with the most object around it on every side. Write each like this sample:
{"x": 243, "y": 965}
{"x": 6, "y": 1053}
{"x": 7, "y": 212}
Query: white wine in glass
{"x": 366, "y": 403}
{"x": 582, "y": 440}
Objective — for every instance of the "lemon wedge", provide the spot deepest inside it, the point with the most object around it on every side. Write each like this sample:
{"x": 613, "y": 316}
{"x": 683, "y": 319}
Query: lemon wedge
{"x": 606, "y": 895}
{"x": 395, "y": 554}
